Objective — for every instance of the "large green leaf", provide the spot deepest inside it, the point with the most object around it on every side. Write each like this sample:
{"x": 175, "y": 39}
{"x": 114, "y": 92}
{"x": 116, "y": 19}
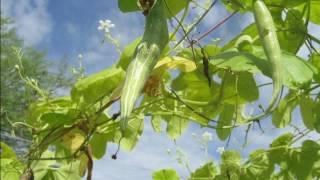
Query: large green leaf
{"x": 225, "y": 119}
{"x": 281, "y": 117}
{"x": 53, "y": 112}
{"x": 315, "y": 11}
{"x": 156, "y": 123}
{"x": 282, "y": 140}
{"x": 290, "y": 31}
{"x": 238, "y": 88}
{"x": 98, "y": 144}
{"x": 306, "y": 158}
{"x": 131, "y": 135}
{"x": 128, "y": 5}
{"x": 193, "y": 86}
{"x": 7, "y": 152}
{"x": 297, "y": 73}
{"x": 11, "y": 169}
{"x": 259, "y": 166}
{"x": 127, "y": 54}
{"x": 317, "y": 114}
{"x": 280, "y": 147}
{"x": 315, "y": 61}
{"x": 176, "y": 126}
{"x": 207, "y": 171}
{"x": 173, "y": 6}
{"x": 239, "y": 62}
{"x": 165, "y": 174}
{"x": 308, "y": 111}
{"x": 230, "y": 164}
{"x": 51, "y": 170}
{"x": 97, "y": 86}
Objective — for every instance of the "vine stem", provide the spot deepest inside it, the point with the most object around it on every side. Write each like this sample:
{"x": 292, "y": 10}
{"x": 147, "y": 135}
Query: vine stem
{"x": 216, "y": 26}
{"x": 195, "y": 24}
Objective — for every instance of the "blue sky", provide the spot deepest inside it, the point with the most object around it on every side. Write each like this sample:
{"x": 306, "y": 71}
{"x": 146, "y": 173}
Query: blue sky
{"x": 69, "y": 27}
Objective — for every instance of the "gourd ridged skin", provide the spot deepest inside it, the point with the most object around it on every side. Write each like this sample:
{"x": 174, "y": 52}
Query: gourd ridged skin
{"x": 268, "y": 36}
{"x": 145, "y": 58}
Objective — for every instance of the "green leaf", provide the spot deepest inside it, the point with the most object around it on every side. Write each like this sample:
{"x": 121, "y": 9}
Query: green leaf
{"x": 315, "y": 61}
{"x": 283, "y": 140}
{"x": 281, "y": 117}
{"x": 317, "y": 114}
{"x": 193, "y": 86}
{"x": 230, "y": 164}
{"x": 98, "y": 144}
{"x": 53, "y": 112}
{"x": 97, "y": 86}
{"x": 239, "y": 88}
{"x": 225, "y": 119}
{"x": 11, "y": 169}
{"x": 259, "y": 166}
{"x": 290, "y": 30}
{"x": 196, "y": 55}
{"x": 297, "y": 73}
{"x": 305, "y": 158}
{"x": 51, "y": 170}
{"x": 176, "y": 126}
{"x": 165, "y": 174}
{"x": 7, "y": 152}
{"x": 280, "y": 148}
{"x": 173, "y": 6}
{"x": 239, "y": 62}
{"x": 315, "y": 11}
{"x": 207, "y": 171}
{"x": 127, "y": 54}
{"x": 308, "y": 111}
{"x": 132, "y": 134}
{"x": 128, "y": 5}
{"x": 156, "y": 123}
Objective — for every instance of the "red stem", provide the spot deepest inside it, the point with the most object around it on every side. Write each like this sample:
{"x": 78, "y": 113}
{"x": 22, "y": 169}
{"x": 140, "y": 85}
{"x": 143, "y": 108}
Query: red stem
{"x": 215, "y": 26}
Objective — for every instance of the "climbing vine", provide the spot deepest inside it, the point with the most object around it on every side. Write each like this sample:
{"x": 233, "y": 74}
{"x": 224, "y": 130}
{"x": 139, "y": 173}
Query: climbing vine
{"x": 212, "y": 87}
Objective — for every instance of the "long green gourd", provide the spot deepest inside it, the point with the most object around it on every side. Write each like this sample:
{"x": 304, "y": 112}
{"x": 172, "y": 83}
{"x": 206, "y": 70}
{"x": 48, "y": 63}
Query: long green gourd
{"x": 146, "y": 55}
{"x": 268, "y": 36}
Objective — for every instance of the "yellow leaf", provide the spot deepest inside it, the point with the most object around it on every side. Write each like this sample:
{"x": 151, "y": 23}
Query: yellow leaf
{"x": 174, "y": 62}
{"x": 73, "y": 140}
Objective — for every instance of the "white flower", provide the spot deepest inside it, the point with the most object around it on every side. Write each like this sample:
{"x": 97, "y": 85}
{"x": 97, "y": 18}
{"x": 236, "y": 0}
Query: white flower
{"x": 220, "y": 150}
{"x": 168, "y": 151}
{"x": 206, "y": 136}
{"x": 16, "y": 66}
{"x": 194, "y": 135}
{"x": 80, "y": 56}
{"x": 105, "y": 25}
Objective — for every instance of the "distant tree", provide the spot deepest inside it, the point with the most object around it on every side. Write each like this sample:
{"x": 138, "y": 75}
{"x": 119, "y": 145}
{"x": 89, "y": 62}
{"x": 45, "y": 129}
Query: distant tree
{"x": 16, "y": 96}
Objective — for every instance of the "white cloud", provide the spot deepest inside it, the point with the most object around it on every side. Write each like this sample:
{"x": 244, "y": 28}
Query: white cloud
{"x": 31, "y": 19}
{"x": 149, "y": 155}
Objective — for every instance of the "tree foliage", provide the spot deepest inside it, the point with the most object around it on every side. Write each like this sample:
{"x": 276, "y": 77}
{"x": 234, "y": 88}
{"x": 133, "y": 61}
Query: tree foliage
{"x": 16, "y": 96}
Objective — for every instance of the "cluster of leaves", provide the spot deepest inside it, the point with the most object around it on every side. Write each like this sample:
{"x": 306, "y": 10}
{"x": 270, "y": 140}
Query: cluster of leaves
{"x": 77, "y": 128}
{"x": 280, "y": 161}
